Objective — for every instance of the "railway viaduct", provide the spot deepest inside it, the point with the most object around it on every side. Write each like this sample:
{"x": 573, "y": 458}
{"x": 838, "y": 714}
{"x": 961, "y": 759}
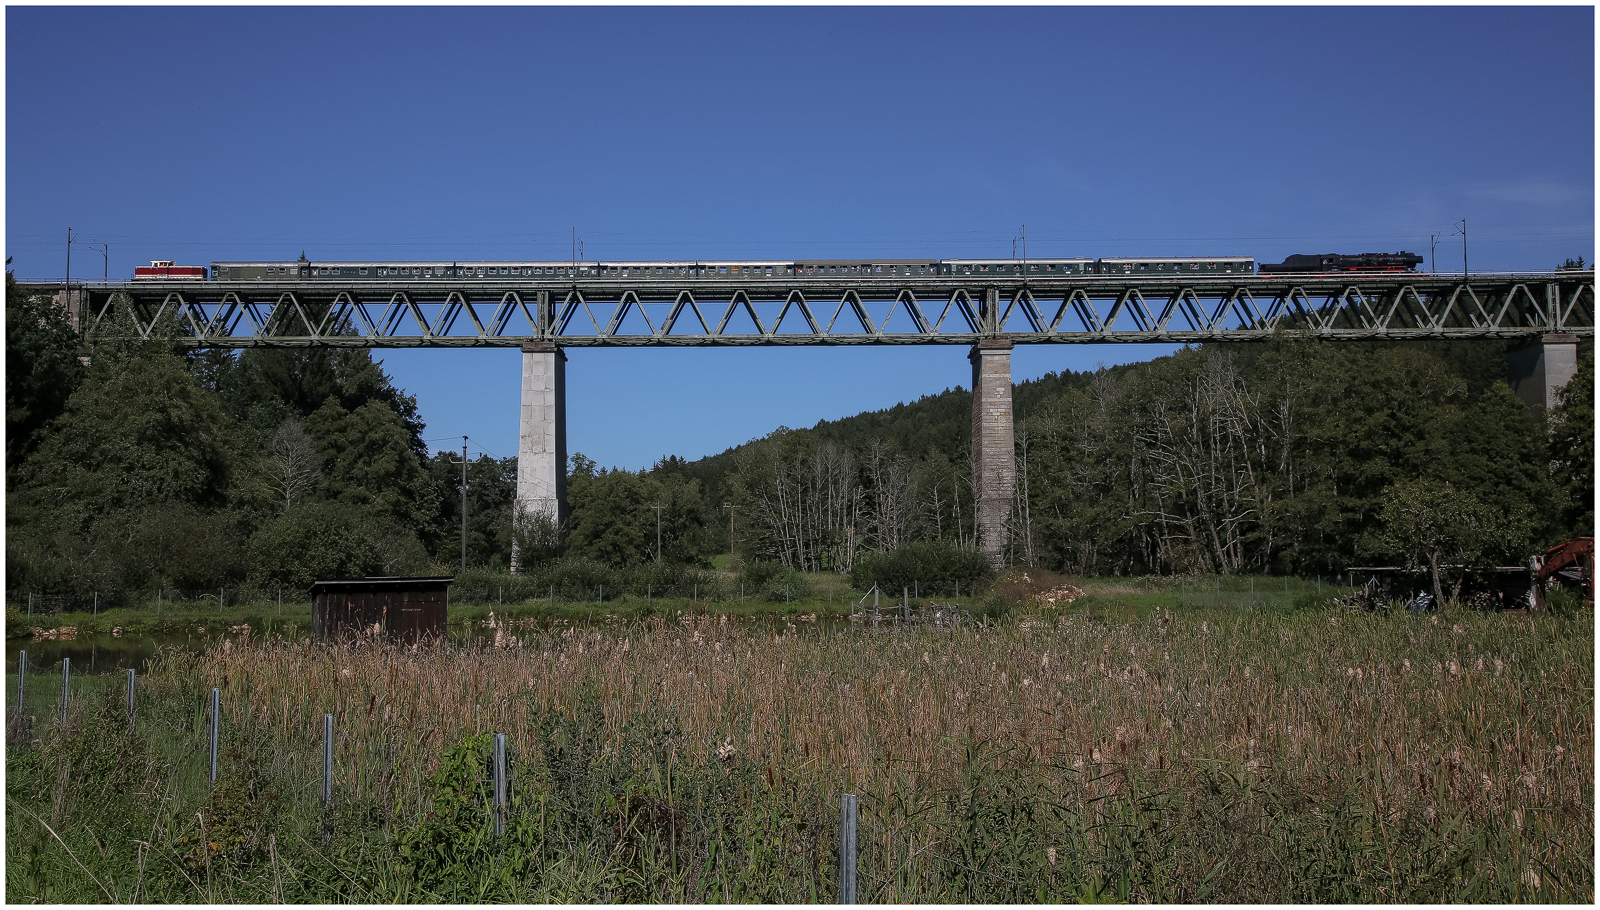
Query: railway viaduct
{"x": 1550, "y": 312}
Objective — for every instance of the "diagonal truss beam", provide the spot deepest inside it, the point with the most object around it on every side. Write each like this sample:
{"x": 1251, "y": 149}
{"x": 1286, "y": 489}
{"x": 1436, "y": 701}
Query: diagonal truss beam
{"x": 1090, "y": 309}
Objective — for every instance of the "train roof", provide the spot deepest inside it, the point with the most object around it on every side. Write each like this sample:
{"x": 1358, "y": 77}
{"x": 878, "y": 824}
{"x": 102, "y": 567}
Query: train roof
{"x": 318, "y": 263}
{"x": 1177, "y": 259}
{"x": 1073, "y": 259}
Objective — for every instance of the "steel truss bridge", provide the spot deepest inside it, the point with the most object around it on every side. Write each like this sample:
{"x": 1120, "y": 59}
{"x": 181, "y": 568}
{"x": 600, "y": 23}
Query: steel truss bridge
{"x": 961, "y": 310}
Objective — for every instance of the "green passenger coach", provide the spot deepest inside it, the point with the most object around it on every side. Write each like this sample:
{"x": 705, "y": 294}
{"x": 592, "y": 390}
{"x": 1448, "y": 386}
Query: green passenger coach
{"x": 1213, "y": 265}
{"x": 1018, "y": 268}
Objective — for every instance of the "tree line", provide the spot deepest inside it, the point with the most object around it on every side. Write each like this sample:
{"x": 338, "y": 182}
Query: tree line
{"x": 137, "y": 465}
{"x": 1285, "y": 456}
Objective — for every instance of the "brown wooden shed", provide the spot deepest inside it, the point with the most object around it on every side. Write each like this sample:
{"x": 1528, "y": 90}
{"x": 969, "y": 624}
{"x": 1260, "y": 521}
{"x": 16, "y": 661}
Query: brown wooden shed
{"x": 406, "y": 610}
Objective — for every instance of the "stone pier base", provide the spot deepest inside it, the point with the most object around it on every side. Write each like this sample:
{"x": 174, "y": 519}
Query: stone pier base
{"x": 994, "y": 462}
{"x": 542, "y": 442}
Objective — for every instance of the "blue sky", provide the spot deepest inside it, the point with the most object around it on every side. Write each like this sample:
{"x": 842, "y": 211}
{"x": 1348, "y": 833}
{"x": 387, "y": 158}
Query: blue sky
{"x": 204, "y": 134}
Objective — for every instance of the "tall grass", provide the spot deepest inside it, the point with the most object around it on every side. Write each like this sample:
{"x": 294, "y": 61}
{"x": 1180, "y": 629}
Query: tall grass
{"x": 1218, "y": 755}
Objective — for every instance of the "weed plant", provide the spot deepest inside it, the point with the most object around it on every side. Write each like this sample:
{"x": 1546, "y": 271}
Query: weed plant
{"x": 1221, "y": 755}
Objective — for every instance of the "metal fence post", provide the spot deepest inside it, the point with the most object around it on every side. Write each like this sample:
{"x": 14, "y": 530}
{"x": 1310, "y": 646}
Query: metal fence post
{"x": 216, "y": 704}
{"x": 66, "y": 674}
{"x": 130, "y": 699}
{"x": 327, "y": 759}
{"x": 499, "y": 784}
{"x": 847, "y": 848}
{"x": 22, "y": 670}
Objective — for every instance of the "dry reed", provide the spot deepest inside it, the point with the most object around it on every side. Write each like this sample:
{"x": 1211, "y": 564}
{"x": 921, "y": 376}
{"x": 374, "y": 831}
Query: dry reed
{"x": 1477, "y": 714}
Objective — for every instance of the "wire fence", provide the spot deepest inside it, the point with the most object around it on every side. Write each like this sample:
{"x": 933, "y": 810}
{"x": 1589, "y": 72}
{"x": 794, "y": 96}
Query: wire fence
{"x": 860, "y": 856}
{"x": 320, "y": 769}
{"x": 36, "y": 603}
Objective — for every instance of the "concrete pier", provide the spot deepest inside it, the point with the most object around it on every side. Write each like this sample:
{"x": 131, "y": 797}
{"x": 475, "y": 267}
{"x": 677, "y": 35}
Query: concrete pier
{"x": 542, "y": 442}
{"x": 1539, "y": 370}
{"x": 994, "y": 460}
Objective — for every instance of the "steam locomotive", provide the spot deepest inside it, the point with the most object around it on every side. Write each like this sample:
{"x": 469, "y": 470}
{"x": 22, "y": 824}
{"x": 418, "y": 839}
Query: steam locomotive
{"x": 1337, "y": 262}
{"x": 305, "y": 270}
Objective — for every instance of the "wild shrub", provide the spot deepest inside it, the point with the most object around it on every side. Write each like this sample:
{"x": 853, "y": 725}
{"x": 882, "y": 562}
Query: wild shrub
{"x": 932, "y": 567}
{"x": 452, "y": 854}
{"x": 230, "y": 833}
{"x": 772, "y": 581}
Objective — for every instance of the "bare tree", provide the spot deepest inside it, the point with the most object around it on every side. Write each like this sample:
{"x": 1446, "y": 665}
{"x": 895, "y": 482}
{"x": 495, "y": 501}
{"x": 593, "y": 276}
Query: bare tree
{"x": 893, "y": 498}
{"x": 804, "y": 500}
{"x": 294, "y": 465}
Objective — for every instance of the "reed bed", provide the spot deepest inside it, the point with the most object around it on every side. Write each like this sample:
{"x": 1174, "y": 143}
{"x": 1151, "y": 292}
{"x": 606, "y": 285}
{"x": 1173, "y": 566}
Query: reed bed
{"x": 1230, "y": 756}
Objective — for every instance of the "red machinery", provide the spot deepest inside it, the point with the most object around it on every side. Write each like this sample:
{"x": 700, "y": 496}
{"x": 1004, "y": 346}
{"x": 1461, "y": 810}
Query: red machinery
{"x": 164, "y": 270}
{"x": 1572, "y": 560}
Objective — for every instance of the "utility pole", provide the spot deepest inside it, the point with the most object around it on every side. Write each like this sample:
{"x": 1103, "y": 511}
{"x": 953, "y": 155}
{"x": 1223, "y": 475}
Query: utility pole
{"x": 658, "y": 508}
{"x": 463, "y": 504}
{"x": 1433, "y": 245}
{"x": 729, "y": 507}
{"x": 67, "y": 285}
{"x": 1464, "y": 271}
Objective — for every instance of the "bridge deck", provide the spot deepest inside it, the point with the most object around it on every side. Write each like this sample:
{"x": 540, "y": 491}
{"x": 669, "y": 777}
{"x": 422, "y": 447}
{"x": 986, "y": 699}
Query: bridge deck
{"x": 834, "y": 311}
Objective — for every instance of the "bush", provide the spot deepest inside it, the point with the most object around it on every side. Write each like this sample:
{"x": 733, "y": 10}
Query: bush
{"x": 929, "y": 567}
{"x": 772, "y": 581}
{"x": 313, "y": 542}
{"x": 579, "y": 578}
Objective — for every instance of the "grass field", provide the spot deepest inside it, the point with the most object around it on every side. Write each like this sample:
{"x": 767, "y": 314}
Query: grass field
{"x": 1141, "y": 744}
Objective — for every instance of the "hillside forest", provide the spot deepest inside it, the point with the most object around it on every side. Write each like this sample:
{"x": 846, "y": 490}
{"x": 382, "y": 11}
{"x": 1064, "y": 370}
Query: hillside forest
{"x": 133, "y": 466}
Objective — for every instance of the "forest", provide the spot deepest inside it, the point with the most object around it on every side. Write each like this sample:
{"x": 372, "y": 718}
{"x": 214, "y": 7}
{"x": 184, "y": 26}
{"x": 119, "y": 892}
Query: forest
{"x": 133, "y": 466}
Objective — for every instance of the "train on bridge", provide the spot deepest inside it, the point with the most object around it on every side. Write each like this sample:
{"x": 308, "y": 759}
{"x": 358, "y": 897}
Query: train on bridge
{"x": 304, "y": 270}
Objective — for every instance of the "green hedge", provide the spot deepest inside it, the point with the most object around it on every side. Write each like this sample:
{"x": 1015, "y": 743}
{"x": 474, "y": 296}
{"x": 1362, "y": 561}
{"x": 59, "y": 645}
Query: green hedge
{"x": 576, "y": 578}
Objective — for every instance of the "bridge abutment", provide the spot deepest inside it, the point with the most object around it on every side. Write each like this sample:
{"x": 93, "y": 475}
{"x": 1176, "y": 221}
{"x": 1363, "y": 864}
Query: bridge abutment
{"x": 994, "y": 461}
{"x": 542, "y": 438}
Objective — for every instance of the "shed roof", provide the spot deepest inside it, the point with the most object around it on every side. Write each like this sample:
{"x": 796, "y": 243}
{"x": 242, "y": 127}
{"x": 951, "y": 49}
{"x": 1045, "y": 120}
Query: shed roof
{"x": 382, "y": 583}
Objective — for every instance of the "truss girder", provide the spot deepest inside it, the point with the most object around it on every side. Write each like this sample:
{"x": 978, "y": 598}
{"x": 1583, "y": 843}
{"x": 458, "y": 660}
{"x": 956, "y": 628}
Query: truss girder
{"x": 236, "y": 314}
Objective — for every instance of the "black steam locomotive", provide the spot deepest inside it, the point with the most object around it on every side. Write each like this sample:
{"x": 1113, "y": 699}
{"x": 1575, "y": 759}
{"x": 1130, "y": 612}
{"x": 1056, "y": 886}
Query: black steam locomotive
{"x": 1304, "y": 263}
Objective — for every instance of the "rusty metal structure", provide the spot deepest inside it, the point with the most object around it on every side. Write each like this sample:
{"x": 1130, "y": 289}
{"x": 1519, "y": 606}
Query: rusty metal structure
{"x": 1571, "y": 561}
{"x": 402, "y": 610}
